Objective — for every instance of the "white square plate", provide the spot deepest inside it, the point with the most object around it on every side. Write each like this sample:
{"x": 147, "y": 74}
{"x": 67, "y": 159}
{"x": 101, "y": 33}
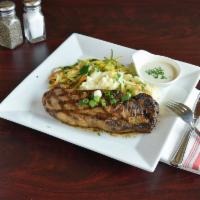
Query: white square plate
{"x": 24, "y": 106}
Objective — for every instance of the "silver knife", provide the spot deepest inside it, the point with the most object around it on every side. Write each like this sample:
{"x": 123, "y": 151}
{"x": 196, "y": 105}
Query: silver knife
{"x": 177, "y": 157}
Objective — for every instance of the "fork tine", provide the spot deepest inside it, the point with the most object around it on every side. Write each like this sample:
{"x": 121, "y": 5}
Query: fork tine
{"x": 177, "y": 111}
{"x": 178, "y": 106}
{"x": 182, "y": 111}
{"x": 175, "y": 106}
{"x": 181, "y": 104}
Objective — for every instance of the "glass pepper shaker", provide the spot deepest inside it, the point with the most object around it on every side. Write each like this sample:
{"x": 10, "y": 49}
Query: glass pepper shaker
{"x": 10, "y": 26}
{"x": 34, "y": 24}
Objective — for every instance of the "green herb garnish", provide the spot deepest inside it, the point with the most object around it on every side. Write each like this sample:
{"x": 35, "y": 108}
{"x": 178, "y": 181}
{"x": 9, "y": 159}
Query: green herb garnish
{"x": 84, "y": 69}
{"x": 96, "y": 98}
{"x": 103, "y": 102}
{"x": 126, "y": 97}
{"x": 113, "y": 101}
{"x": 107, "y": 93}
{"x": 156, "y": 72}
{"x": 111, "y": 96}
{"x": 93, "y": 103}
{"x": 96, "y": 68}
{"x": 84, "y": 101}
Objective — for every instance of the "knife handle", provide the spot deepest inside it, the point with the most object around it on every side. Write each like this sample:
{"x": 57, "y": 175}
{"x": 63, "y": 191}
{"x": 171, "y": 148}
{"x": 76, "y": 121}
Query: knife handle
{"x": 177, "y": 157}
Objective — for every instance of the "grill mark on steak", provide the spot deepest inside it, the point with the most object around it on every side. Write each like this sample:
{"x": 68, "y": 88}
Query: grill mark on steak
{"x": 139, "y": 114}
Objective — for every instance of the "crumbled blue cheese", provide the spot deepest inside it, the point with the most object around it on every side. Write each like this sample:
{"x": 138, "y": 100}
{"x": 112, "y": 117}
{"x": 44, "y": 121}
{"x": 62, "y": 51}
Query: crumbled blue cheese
{"x": 101, "y": 80}
{"x": 98, "y": 93}
{"x": 112, "y": 80}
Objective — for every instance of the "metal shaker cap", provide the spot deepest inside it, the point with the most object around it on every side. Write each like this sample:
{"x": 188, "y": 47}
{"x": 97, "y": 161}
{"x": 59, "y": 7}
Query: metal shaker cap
{"x": 7, "y": 6}
{"x": 32, "y": 3}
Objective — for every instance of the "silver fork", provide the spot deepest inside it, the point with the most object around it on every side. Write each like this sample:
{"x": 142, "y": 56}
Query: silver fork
{"x": 184, "y": 112}
{"x": 188, "y": 116}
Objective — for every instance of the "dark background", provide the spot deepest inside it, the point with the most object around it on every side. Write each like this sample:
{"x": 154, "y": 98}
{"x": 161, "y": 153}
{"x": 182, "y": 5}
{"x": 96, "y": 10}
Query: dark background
{"x": 36, "y": 166}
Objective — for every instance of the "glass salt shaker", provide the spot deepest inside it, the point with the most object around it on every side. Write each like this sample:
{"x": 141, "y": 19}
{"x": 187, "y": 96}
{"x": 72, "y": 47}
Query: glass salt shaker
{"x": 34, "y": 24}
{"x": 10, "y": 26}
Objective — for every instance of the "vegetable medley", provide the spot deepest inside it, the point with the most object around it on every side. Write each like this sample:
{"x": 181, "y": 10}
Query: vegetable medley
{"x": 93, "y": 74}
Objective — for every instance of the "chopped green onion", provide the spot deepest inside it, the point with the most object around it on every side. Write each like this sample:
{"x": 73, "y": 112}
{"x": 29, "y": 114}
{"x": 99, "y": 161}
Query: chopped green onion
{"x": 156, "y": 72}
{"x": 126, "y": 97}
{"x": 111, "y": 96}
{"x": 113, "y": 101}
{"x": 96, "y": 98}
{"x": 107, "y": 93}
{"x": 84, "y": 102}
{"x": 92, "y": 103}
{"x": 103, "y": 102}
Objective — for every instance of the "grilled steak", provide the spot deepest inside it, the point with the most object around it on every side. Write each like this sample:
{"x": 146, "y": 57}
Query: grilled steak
{"x": 138, "y": 114}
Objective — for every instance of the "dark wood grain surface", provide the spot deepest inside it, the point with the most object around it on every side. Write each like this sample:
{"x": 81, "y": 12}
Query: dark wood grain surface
{"x": 35, "y": 166}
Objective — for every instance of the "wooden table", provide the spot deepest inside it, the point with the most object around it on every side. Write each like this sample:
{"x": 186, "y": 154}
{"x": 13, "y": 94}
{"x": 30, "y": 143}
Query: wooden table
{"x": 35, "y": 166}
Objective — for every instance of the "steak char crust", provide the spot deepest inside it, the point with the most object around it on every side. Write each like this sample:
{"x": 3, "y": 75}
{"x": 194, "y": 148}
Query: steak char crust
{"x": 137, "y": 115}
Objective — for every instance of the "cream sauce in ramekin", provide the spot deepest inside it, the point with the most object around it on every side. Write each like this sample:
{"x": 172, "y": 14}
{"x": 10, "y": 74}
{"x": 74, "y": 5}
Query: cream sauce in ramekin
{"x": 158, "y": 72}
